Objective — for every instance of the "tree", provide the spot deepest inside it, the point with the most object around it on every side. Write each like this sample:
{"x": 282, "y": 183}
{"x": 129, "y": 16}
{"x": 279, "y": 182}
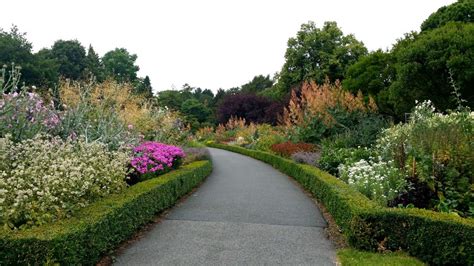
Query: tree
{"x": 249, "y": 106}
{"x": 372, "y": 75}
{"x": 317, "y": 54}
{"x": 15, "y": 48}
{"x": 425, "y": 62}
{"x": 93, "y": 65}
{"x": 195, "y": 110}
{"x": 71, "y": 58}
{"x": 46, "y": 69}
{"x": 120, "y": 65}
{"x": 462, "y": 11}
{"x": 144, "y": 87}
{"x": 257, "y": 84}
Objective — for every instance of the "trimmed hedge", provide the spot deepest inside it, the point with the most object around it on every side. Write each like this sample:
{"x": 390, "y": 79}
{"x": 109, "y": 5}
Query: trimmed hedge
{"x": 102, "y": 225}
{"x": 436, "y": 238}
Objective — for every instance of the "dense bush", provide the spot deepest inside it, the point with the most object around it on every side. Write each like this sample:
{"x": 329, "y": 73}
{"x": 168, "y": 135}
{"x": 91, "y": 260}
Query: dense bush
{"x": 266, "y": 136}
{"x": 288, "y": 148}
{"x": 251, "y": 107}
{"x": 435, "y": 238}
{"x": 332, "y": 157}
{"x": 437, "y": 150}
{"x": 45, "y": 179}
{"x": 100, "y": 227}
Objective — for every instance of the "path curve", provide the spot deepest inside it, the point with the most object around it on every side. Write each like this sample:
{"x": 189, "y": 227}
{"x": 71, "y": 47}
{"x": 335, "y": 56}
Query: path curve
{"x": 245, "y": 213}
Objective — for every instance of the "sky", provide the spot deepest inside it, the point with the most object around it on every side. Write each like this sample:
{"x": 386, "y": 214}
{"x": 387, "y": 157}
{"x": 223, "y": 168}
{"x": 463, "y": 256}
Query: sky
{"x": 208, "y": 43}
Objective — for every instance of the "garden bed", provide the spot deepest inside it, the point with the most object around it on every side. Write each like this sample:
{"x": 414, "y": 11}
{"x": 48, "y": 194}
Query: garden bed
{"x": 436, "y": 238}
{"x": 101, "y": 226}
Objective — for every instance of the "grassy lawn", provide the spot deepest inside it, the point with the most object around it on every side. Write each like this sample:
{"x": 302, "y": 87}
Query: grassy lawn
{"x": 349, "y": 257}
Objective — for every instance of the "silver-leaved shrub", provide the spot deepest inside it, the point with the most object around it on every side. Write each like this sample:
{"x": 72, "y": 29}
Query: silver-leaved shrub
{"x": 44, "y": 179}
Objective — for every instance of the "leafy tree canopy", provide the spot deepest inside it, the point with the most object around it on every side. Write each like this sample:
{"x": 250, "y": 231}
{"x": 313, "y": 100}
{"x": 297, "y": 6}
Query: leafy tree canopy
{"x": 257, "y": 84}
{"x": 94, "y": 65}
{"x": 120, "y": 64}
{"x": 462, "y": 11}
{"x": 71, "y": 58}
{"x": 425, "y": 63}
{"x": 316, "y": 53}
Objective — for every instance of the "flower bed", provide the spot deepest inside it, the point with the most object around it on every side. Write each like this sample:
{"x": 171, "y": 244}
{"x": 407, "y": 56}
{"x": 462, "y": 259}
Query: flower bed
{"x": 436, "y": 238}
{"x": 102, "y": 225}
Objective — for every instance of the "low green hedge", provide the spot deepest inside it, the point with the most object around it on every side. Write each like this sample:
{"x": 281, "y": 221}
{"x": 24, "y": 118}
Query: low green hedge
{"x": 101, "y": 226}
{"x": 436, "y": 238}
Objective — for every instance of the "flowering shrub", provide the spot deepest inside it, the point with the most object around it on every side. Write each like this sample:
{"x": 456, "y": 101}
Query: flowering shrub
{"x": 379, "y": 181}
{"x": 286, "y": 149}
{"x": 24, "y": 114}
{"x": 436, "y": 150}
{"x": 44, "y": 179}
{"x": 152, "y": 158}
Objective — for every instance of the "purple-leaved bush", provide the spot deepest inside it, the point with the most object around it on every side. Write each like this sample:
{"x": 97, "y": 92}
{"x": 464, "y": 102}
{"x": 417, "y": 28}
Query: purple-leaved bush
{"x": 150, "y": 157}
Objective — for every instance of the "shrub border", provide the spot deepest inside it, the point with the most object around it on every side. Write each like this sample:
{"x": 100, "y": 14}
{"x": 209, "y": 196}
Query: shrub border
{"x": 436, "y": 238}
{"x": 101, "y": 226}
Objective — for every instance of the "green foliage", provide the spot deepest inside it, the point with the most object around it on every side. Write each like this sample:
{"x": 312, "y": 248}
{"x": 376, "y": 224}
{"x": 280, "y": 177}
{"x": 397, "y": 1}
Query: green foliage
{"x": 423, "y": 66}
{"x": 94, "y": 65}
{"x": 144, "y": 87}
{"x": 258, "y": 84}
{"x": 100, "y": 227}
{"x": 462, "y": 11}
{"x": 267, "y": 136}
{"x": 435, "y": 238}
{"x": 372, "y": 74}
{"x": 316, "y": 53}
{"x": 71, "y": 58}
{"x": 332, "y": 156}
{"x": 353, "y": 257}
{"x": 195, "y": 111}
{"x": 120, "y": 65}
{"x": 195, "y": 104}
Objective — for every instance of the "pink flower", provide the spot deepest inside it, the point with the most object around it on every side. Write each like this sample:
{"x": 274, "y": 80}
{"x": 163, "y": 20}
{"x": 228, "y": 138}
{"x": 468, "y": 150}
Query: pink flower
{"x": 153, "y": 156}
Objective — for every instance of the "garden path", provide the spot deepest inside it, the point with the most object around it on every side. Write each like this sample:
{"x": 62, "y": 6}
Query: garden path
{"x": 245, "y": 213}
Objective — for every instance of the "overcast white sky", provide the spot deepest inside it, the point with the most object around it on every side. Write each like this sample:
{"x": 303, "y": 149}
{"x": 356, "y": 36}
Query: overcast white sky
{"x": 208, "y": 43}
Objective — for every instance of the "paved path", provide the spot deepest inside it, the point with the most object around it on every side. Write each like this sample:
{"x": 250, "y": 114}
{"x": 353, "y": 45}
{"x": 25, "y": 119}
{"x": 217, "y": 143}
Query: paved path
{"x": 246, "y": 213}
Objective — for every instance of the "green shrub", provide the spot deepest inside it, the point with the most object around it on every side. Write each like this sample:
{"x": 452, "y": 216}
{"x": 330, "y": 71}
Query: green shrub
{"x": 435, "y": 238}
{"x": 101, "y": 226}
{"x": 331, "y": 157}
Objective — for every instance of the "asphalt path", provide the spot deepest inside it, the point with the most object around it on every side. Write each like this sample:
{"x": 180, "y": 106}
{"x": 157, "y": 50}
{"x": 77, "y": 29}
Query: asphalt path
{"x": 246, "y": 213}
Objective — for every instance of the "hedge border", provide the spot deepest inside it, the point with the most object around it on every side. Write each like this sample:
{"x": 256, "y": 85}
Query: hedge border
{"x": 101, "y": 226}
{"x": 436, "y": 238}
